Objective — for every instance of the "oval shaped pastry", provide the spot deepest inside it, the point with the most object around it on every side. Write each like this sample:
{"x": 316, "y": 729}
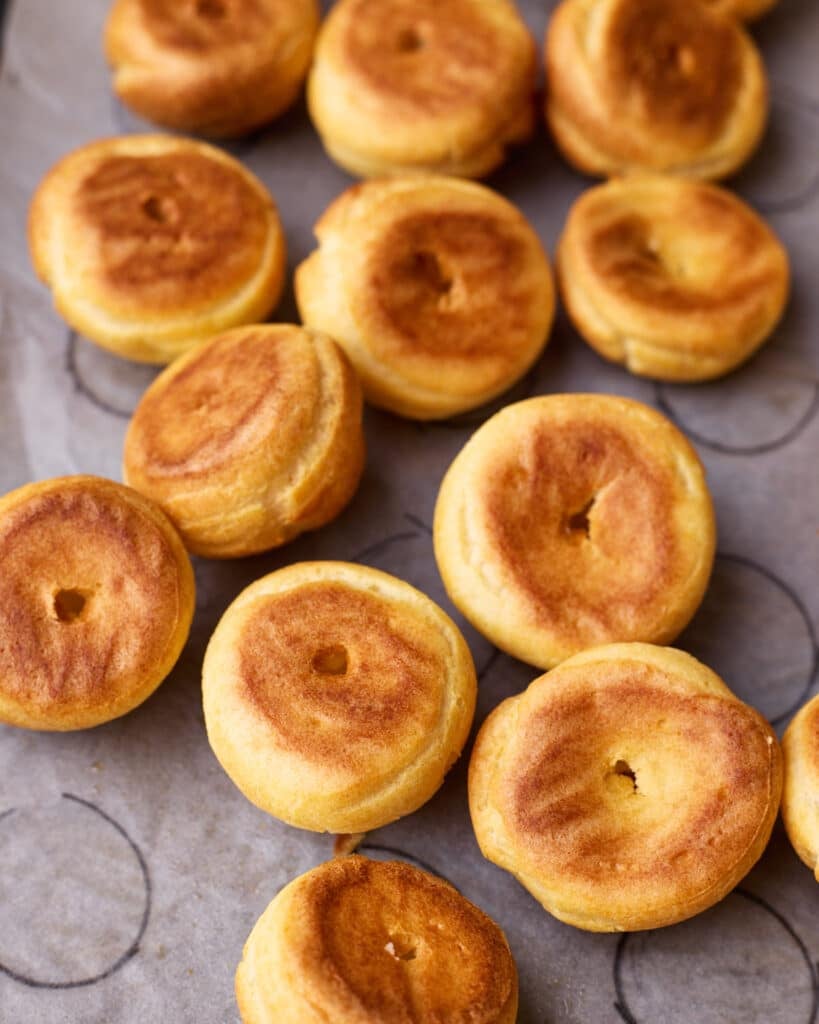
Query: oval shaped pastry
{"x": 219, "y": 68}
{"x": 422, "y": 85}
{"x": 800, "y": 796}
{"x": 151, "y": 243}
{"x": 439, "y": 291}
{"x": 569, "y": 521}
{"x": 96, "y": 600}
{"x": 663, "y": 85}
{"x": 357, "y": 941}
{"x": 250, "y": 439}
{"x": 626, "y": 789}
{"x": 676, "y": 279}
{"x": 336, "y": 696}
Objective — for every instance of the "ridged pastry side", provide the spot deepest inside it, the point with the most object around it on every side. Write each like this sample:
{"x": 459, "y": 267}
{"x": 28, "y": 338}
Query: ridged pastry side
{"x": 219, "y": 68}
{"x": 249, "y": 440}
{"x": 439, "y": 291}
{"x": 569, "y": 521}
{"x": 800, "y": 797}
{"x": 336, "y": 696}
{"x": 676, "y": 279}
{"x": 402, "y": 86}
{"x": 656, "y": 85}
{"x": 356, "y": 941}
{"x": 151, "y": 244}
{"x": 96, "y": 600}
{"x": 626, "y": 789}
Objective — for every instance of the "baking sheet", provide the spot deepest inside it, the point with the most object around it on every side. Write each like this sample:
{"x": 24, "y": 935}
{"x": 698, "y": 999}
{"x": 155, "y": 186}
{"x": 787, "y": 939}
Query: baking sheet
{"x": 131, "y": 870}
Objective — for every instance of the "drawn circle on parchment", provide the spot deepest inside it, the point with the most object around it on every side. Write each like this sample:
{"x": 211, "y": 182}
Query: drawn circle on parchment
{"x": 75, "y": 894}
{"x": 758, "y": 408}
{"x": 112, "y": 384}
{"x": 755, "y": 632}
{"x": 741, "y": 960}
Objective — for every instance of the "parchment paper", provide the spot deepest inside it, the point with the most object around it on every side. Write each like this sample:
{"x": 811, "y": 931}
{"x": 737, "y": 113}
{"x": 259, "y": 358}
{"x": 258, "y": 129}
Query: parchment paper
{"x": 131, "y": 870}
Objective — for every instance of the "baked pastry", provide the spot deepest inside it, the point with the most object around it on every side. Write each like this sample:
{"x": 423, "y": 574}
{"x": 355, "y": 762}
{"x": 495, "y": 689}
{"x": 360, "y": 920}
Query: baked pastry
{"x": 626, "y": 789}
{"x": 422, "y": 85}
{"x": 569, "y": 521}
{"x": 96, "y": 600}
{"x": 250, "y": 439}
{"x": 151, "y": 244}
{"x": 747, "y": 10}
{"x": 216, "y": 67}
{"x": 663, "y": 85}
{"x": 800, "y": 797}
{"x": 677, "y": 279}
{"x": 357, "y": 941}
{"x": 438, "y": 289}
{"x": 337, "y": 696}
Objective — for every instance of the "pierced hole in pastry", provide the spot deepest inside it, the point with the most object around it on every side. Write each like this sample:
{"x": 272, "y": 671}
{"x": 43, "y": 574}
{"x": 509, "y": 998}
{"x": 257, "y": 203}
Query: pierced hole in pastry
{"x": 686, "y": 60}
{"x": 427, "y": 268}
{"x": 580, "y": 520}
{"x": 159, "y": 209}
{"x": 623, "y": 768}
{"x": 69, "y": 605}
{"x": 401, "y": 948}
{"x": 409, "y": 41}
{"x": 331, "y": 661}
{"x": 210, "y": 8}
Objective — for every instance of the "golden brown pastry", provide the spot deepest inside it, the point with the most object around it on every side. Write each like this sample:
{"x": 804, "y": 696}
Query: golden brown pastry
{"x": 219, "y": 68}
{"x": 400, "y": 86}
{"x": 438, "y": 290}
{"x": 663, "y": 85}
{"x": 747, "y": 10}
{"x": 96, "y": 600}
{"x": 151, "y": 244}
{"x": 356, "y": 941}
{"x": 569, "y": 521}
{"x": 250, "y": 439}
{"x": 676, "y": 279}
{"x": 800, "y": 796}
{"x": 626, "y": 789}
{"x": 337, "y": 696}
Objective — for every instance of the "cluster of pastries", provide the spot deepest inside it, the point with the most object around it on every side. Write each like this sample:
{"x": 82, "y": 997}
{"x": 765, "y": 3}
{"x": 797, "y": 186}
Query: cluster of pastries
{"x": 575, "y": 531}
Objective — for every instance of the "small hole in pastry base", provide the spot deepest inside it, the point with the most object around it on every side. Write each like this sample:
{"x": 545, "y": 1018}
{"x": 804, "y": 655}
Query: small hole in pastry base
{"x": 210, "y": 8}
{"x": 427, "y": 268}
{"x": 69, "y": 605}
{"x": 158, "y": 209}
{"x": 409, "y": 41}
{"x": 401, "y": 948}
{"x": 579, "y": 521}
{"x": 330, "y": 661}
{"x": 623, "y": 768}
{"x": 686, "y": 60}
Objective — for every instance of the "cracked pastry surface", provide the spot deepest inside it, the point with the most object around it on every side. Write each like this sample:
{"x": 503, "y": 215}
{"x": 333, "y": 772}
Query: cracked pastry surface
{"x": 219, "y": 68}
{"x": 439, "y": 291}
{"x": 336, "y": 696}
{"x": 359, "y": 941}
{"x": 800, "y": 797}
{"x": 96, "y": 600}
{"x": 249, "y": 440}
{"x": 400, "y": 86}
{"x": 654, "y": 85}
{"x": 569, "y": 521}
{"x": 626, "y": 789}
{"x": 151, "y": 243}
{"x": 676, "y": 279}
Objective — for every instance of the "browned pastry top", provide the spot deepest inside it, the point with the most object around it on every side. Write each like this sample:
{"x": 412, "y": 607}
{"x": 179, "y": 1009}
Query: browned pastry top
{"x": 171, "y": 230}
{"x": 339, "y": 676}
{"x": 672, "y": 66}
{"x": 90, "y": 595}
{"x": 395, "y": 944}
{"x": 230, "y": 396}
{"x": 200, "y": 26}
{"x": 426, "y": 57}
